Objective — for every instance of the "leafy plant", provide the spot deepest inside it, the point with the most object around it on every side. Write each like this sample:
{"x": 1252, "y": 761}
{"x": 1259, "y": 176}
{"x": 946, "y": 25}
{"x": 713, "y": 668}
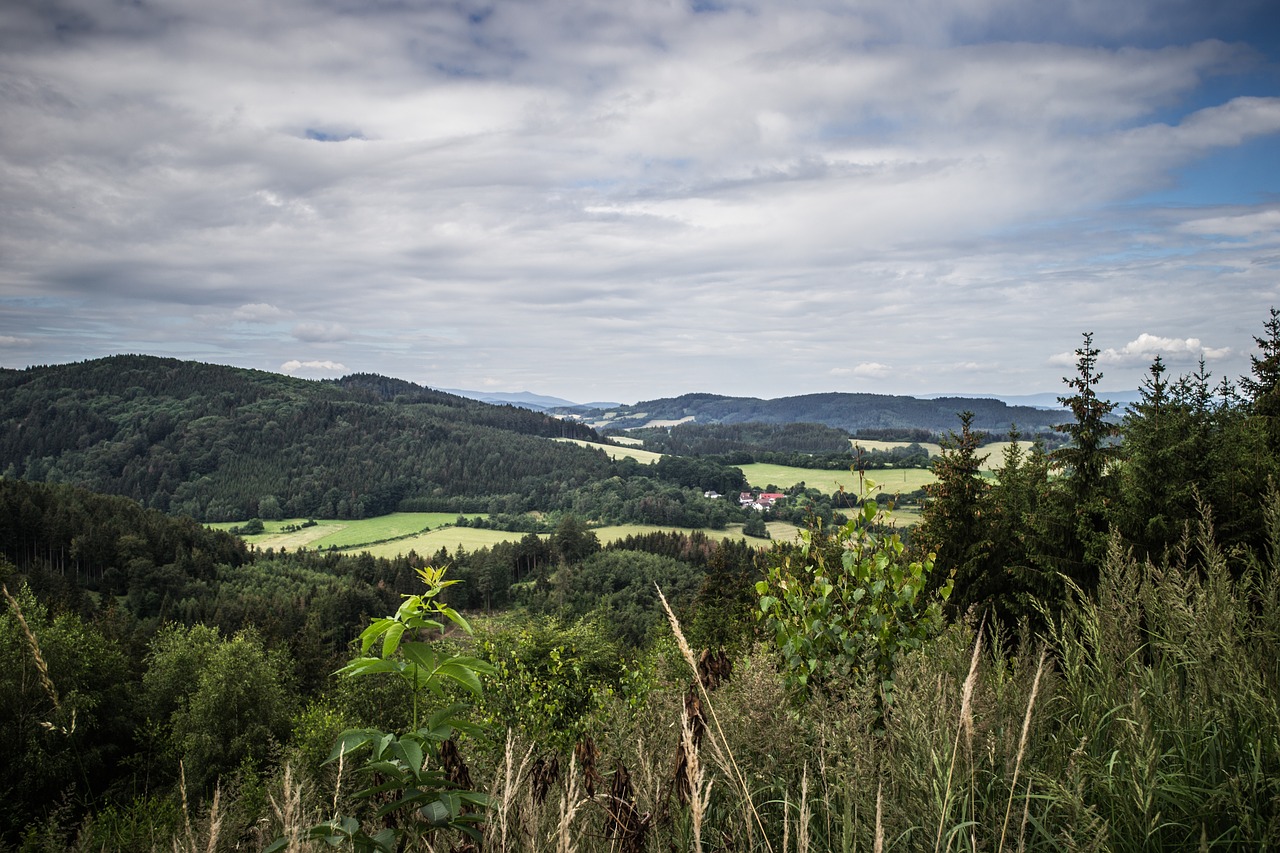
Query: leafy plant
{"x": 414, "y": 795}
{"x": 844, "y": 604}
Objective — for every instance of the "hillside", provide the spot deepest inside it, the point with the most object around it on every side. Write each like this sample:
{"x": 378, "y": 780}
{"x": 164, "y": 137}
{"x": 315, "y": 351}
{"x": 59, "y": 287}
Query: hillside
{"x": 851, "y": 412}
{"x": 222, "y": 443}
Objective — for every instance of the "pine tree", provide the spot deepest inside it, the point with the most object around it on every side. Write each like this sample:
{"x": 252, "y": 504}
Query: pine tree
{"x": 951, "y": 526}
{"x": 1077, "y": 517}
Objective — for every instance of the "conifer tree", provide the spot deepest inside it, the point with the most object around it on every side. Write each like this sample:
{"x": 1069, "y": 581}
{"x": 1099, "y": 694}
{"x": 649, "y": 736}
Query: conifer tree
{"x": 951, "y": 525}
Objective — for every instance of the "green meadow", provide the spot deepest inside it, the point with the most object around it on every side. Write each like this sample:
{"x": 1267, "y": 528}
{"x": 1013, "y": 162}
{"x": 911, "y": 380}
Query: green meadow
{"x": 891, "y": 480}
{"x": 397, "y": 534}
{"x": 346, "y": 533}
{"x": 645, "y": 456}
{"x": 472, "y": 538}
{"x": 994, "y": 452}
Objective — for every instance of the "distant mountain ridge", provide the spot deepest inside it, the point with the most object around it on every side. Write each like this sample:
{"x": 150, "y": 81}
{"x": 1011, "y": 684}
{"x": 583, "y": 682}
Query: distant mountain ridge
{"x": 528, "y": 399}
{"x": 1049, "y": 399}
{"x": 847, "y": 411}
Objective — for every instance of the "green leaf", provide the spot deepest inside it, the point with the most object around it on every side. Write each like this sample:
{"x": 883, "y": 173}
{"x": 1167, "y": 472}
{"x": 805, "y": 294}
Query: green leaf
{"x": 409, "y": 752}
{"x": 422, "y": 654}
{"x": 456, "y": 618}
{"x": 351, "y": 740}
{"x": 392, "y": 639}
{"x": 435, "y": 813}
{"x": 462, "y": 675}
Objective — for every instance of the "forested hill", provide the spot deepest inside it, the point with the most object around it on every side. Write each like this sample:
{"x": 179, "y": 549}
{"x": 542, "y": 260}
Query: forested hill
{"x": 225, "y": 443}
{"x": 850, "y": 412}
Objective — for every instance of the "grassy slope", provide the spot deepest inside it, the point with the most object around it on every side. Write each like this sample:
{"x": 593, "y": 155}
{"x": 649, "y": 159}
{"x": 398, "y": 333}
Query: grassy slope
{"x": 894, "y": 480}
{"x": 349, "y": 535}
{"x": 645, "y": 456}
{"x": 346, "y": 533}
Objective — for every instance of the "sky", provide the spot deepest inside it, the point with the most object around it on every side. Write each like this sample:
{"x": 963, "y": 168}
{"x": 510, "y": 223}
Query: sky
{"x": 618, "y": 200}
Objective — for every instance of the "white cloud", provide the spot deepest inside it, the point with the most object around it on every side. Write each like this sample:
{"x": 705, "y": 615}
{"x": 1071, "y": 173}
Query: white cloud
{"x": 293, "y": 366}
{"x": 1143, "y": 349}
{"x": 11, "y": 341}
{"x": 632, "y": 198}
{"x": 1241, "y": 225}
{"x": 866, "y": 370}
{"x": 258, "y": 312}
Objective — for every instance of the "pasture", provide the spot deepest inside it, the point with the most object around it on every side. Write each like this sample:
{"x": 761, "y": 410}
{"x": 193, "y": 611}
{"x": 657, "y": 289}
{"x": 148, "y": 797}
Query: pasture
{"x": 892, "y": 480}
{"x": 345, "y": 533}
{"x": 994, "y": 452}
{"x": 397, "y": 534}
{"x": 472, "y": 538}
{"x": 872, "y": 444}
{"x": 644, "y": 456}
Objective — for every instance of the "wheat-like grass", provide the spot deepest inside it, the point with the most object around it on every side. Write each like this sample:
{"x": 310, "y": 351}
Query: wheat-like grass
{"x": 802, "y": 828}
{"x": 965, "y": 725}
{"x": 879, "y": 842}
{"x": 288, "y": 809}
{"x": 719, "y": 743}
{"x": 1022, "y": 746}
{"x": 512, "y": 774}
{"x": 41, "y": 667}
{"x": 699, "y": 783}
{"x": 570, "y": 803}
{"x": 215, "y": 820}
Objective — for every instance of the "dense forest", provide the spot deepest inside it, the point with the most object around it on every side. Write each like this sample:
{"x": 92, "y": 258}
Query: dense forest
{"x": 1080, "y": 653}
{"x": 219, "y": 443}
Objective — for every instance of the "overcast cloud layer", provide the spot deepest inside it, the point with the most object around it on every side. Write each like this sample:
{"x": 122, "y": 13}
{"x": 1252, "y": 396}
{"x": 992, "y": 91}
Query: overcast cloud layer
{"x": 623, "y": 200}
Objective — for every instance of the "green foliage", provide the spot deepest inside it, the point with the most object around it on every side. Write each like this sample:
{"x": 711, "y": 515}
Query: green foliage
{"x": 950, "y": 521}
{"x": 755, "y": 526}
{"x": 217, "y": 443}
{"x": 621, "y": 587}
{"x": 423, "y": 792}
{"x": 65, "y": 709}
{"x": 551, "y": 679}
{"x": 218, "y": 703}
{"x": 845, "y": 605}
{"x": 696, "y": 439}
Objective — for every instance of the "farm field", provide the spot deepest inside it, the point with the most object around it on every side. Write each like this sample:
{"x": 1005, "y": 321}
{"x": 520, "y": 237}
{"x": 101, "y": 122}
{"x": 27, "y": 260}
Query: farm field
{"x": 432, "y": 541}
{"x": 894, "y": 480}
{"x": 994, "y": 451}
{"x": 645, "y": 456}
{"x": 344, "y": 533}
{"x": 473, "y": 538}
{"x": 347, "y": 536}
{"x": 872, "y": 444}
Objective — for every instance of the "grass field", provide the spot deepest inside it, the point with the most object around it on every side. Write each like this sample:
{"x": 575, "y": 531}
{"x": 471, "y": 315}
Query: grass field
{"x": 472, "y": 538}
{"x": 872, "y": 444}
{"x": 894, "y": 480}
{"x": 645, "y": 456}
{"x": 345, "y": 533}
{"x": 994, "y": 451}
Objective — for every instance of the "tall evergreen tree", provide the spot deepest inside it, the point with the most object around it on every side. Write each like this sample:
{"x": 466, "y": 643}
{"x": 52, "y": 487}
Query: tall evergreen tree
{"x": 1077, "y": 519}
{"x": 951, "y": 526}
{"x": 1263, "y": 387}
{"x": 1158, "y": 478}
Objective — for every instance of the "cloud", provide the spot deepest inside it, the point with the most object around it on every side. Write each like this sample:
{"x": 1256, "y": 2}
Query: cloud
{"x": 293, "y": 366}
{"x": 11, "y": 341}
{"x": 258, "y": 312}
{"x": 1143, "y": 350}
{"x": 1237, "y": 225}
{"x": 612, "y": 200}
{"x": 321, "y": 332}
{"x": 866, "y": 369}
